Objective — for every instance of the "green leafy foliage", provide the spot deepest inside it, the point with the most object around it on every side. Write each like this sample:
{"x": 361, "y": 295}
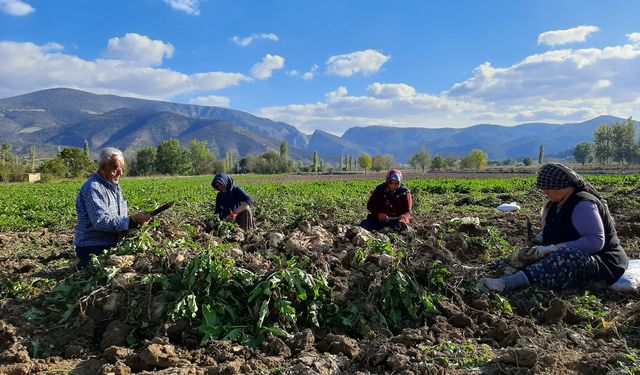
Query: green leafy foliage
{"x": 590, "y": 308}
{"x": 502, "y": 304}
{"x": 459, "y": 356}
{"x": 402, "y": 301}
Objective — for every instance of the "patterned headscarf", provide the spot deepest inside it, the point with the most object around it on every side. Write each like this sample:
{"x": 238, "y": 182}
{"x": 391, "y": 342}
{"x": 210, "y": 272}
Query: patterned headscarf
{"x": 558, "y": 176}
{"x": 394, "y": 174}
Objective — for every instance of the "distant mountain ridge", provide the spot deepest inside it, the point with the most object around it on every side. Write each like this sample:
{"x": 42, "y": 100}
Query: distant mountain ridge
{"x": 66, "y": 117}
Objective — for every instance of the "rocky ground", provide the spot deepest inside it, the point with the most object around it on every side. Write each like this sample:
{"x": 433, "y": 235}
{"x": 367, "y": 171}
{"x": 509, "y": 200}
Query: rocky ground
{"x": 122, "y": 323}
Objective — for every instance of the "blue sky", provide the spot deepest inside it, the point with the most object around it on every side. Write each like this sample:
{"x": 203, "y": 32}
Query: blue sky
{"x": 334, "y": 64}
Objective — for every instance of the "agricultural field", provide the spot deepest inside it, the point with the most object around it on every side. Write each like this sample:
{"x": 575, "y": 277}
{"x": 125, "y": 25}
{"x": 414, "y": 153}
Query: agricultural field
{"x": 308, "y": 291}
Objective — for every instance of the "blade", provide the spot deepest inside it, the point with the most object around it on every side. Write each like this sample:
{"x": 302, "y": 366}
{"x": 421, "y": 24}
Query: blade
{"x": 530, "y": 234}
{"x": 161, "y": 208}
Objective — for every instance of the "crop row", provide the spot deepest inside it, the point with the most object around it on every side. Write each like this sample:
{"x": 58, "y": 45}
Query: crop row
{"x": 52, "y": 205}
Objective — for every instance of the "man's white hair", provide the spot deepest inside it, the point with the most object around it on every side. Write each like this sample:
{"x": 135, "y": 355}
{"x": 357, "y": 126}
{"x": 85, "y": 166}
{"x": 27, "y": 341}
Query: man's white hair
{"x": 108, "y": 153}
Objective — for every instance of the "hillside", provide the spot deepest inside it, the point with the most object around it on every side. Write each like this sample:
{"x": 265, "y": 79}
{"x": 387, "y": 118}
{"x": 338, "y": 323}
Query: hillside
{"x": 66, "y": 117}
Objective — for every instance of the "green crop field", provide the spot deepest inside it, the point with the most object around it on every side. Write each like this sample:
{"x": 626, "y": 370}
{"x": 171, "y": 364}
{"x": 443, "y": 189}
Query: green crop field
{"x": 307, "y": 271}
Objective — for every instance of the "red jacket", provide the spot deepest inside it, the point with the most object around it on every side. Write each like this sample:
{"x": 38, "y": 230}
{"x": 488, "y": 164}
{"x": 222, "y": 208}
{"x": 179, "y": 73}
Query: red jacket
{"x": 394, "y": 204}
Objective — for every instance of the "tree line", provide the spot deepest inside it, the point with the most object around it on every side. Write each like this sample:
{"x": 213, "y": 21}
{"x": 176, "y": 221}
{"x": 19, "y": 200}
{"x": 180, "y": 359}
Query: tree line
{"x": 171, "y": 158}
{"x": 611, "y": 143}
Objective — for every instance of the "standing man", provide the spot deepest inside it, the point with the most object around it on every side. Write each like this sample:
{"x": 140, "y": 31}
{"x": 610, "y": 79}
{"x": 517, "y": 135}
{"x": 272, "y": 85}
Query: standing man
{"x": 103, "y": 215}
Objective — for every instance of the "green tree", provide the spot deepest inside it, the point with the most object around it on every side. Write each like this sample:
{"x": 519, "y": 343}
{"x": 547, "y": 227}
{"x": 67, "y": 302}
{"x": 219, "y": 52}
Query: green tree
{"x": 387, "y": 161}
{"x": 146, "y": 161}
{"x": 86, "y": 149}
{"x": 365, "y": 161}
{"x": 77, "y": 162}
{"x": 5, "y": 153}
{"x": 527, "y": 161}
{"x": 420, "y": 159}
{"x": 32, "y": 158}
{"x": 54, "y": 167}
{"x": 623, "y": 137}
{"x": 315, "y": 161}
{"x": 438, "y": 163}
{"x": 350, "y": 163}
{"x": 583, "y": 152}
{"x": 228, "y": 162}
{"x": 284, "y": 150}
{"x": 172, "y": 159}
{"x": 477, "y": 159}
{"x": 602, "y": 141}
{"x": 541, "y": 154}
{"x": 378, "y": 163}
{"x": 450, "y": 161}
{"x": 201, "y": 158}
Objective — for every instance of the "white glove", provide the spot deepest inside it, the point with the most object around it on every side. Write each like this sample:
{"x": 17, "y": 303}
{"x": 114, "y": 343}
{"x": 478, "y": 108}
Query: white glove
{"x": 537, "y": 239}
{"x": 542, "y": 251}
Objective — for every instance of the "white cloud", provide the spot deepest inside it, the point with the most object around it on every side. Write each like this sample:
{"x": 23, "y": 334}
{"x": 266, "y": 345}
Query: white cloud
{"x": 28, "y": 67}
{"x": 602, "y": 83}
{"x": 139, "y": 49}
{"x": 15, "y": 7}
{"x": 250, "y": 39}
{"x": 293, "y": 73}
{"x": 574, "y": 35}
{"x": 217, "y": 80}
{"x": 634, "y": 38}
{"x": 556, "y": 74}
{"x": 188, "y": 6}
{"x": 212, "y": 101}
{"x": 568, "y": 85}
{"x": 385, "y": 105}
{"x": 311, "y": 73}
{"x": 265, "y": 68}
{"x": 361, "y": 62}
{"x": 400, "y": 90}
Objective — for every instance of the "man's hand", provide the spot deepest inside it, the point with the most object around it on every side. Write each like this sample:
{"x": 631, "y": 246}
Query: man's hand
{"x": 231, "y": 217}
{"x": 383, "y": 217}
{"x": 141, "y": 218}
{"x": 543, "y": 251}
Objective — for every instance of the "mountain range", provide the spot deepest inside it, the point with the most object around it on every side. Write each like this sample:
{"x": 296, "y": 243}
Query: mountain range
{"x": 62, "y": 117}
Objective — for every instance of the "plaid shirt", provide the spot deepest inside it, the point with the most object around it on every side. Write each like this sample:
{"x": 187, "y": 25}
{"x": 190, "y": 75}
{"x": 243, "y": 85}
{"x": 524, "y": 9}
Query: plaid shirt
{"x": 103, "y": 214}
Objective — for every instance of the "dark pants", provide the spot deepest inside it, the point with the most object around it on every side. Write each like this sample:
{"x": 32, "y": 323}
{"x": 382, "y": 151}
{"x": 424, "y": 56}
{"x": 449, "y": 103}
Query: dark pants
{"x": 565, "y": 268}
{"x": 84, "y": 253}
{"x": 245, "y": 219}
{"x": 372, "y": 224}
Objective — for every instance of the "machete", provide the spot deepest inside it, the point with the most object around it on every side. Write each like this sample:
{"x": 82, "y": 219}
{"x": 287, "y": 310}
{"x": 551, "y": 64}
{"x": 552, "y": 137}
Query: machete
{"x": 161, "y": 208}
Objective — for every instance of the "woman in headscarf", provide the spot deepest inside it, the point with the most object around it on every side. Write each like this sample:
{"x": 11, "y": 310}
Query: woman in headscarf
{"x": 578, "y": 245}
{"x": 389, "y": 205}
{"x": 232, "y": 203}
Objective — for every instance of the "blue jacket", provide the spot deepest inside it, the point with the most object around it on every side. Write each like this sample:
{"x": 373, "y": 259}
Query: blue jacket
{"x": 103, "y": 215}
{"x": 232, "y": 199}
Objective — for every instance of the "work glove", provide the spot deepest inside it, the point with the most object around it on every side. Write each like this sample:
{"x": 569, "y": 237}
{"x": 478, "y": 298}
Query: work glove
{"x": 404, "y": 219}
{"x": 543, "y": 251}
{"x": 231, "y": 217}
{"x": 383, "y": 217}
{"x": 537, "y": 239}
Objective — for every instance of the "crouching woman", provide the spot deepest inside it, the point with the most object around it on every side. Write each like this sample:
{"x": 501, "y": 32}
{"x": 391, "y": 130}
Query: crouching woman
{"x": 232, "y": 203}
{"x": 389, "y": 205}
{"x": 579, "y": 246}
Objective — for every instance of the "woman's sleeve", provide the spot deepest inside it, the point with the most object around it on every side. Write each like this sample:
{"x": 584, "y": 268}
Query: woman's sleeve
{"x": 587, "y": 221}
{"x": 219, "y": 208}
{"x": 241, "y": 196}
{"x": 373, "y": 205}
{"x": 406, "y": 216}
